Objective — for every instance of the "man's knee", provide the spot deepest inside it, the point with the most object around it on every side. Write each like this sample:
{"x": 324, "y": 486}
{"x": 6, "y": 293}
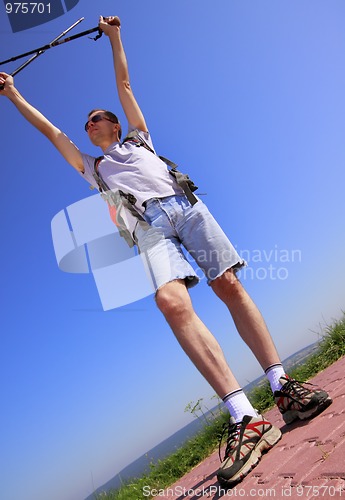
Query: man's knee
{"x": 173, "y": 299}
{"x": 227, "y": 285}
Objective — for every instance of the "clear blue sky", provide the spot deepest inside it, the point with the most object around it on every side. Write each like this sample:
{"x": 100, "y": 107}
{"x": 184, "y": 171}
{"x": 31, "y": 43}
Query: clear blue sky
{"x": 248, "y": 97}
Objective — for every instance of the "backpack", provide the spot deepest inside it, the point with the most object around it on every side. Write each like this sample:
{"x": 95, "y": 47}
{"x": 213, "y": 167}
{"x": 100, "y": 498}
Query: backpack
{"x": 118, "y": 200}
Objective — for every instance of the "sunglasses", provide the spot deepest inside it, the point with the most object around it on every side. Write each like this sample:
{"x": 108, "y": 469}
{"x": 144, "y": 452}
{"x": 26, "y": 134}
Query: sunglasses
{"x": 95, "y": 119}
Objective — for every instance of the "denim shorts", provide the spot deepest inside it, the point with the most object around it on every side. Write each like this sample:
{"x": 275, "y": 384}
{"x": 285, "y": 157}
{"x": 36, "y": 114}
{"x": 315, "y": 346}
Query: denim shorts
{"x": 174, "y": 222}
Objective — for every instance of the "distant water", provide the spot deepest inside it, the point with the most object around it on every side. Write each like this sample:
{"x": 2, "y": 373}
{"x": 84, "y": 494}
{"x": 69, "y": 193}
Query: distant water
{"x": 142, "y": 464}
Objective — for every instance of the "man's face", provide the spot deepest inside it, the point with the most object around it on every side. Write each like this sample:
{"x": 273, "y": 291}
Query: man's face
{"x": 101, "y": 129}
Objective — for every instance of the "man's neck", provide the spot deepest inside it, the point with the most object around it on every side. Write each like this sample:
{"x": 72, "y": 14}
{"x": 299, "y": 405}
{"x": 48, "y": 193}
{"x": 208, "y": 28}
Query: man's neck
{"x": 105, "y": 145}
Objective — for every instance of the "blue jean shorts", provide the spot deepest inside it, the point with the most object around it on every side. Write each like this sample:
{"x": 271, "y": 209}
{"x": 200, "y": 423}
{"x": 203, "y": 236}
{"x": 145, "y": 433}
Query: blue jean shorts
{"x": 173, "y": 223}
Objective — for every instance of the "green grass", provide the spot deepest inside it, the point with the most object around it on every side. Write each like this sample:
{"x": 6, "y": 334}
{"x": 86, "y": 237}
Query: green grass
{"x": 165, "y": 472}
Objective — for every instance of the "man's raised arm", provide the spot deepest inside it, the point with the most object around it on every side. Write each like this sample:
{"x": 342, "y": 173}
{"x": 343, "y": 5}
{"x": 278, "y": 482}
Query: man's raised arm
{"x": 111, "y": 27}
{"x": 68, "y": 150}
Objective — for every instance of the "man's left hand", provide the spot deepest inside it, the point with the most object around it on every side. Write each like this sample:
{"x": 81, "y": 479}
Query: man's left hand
{"x": 107, "y": 24}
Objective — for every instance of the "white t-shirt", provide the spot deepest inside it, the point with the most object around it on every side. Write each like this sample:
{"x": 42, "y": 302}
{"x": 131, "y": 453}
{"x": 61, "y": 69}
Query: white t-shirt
{"x": 133, "y": 170}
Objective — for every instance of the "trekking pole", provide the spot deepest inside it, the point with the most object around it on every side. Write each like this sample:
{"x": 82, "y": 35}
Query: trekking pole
{"x": 41, "y": 51}
{"x": 54, "y": 43}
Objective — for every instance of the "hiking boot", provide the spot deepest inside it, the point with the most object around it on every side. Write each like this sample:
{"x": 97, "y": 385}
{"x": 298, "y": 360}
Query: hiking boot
{"x": 296, "y": 401}
{"x": 246, "y": 442}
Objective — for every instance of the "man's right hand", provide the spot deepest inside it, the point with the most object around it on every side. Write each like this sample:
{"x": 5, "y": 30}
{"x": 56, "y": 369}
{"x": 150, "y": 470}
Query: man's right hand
{"x": 6, "y": 83}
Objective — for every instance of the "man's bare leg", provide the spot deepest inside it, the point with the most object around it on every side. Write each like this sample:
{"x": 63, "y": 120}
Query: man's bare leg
{"x": 194, "y": 337}
{"x": 247, "y": 318}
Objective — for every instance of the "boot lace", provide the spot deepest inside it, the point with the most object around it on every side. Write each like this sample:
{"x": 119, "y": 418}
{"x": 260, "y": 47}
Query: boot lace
{"x": 232, "y": 439}
{"x": 297, "y": 388}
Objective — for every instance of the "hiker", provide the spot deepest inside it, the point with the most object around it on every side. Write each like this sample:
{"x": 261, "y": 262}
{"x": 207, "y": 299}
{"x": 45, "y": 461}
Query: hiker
{"x": 159, "y": 215}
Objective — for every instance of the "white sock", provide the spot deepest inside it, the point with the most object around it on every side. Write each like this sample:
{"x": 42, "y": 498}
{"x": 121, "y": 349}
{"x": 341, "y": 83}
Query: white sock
{"x": 239, "y": 405}
{"x": 273, "y": 373}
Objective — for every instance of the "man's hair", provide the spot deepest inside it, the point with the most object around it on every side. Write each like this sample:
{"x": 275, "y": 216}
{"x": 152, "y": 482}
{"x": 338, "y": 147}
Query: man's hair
{"x": 109, "y": 115}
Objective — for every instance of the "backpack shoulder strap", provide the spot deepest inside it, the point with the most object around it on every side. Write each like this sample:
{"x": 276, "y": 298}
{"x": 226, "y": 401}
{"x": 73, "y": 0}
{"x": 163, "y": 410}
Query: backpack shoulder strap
{"x": 102, "y": 186}
{"x": 135, "y": 137}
